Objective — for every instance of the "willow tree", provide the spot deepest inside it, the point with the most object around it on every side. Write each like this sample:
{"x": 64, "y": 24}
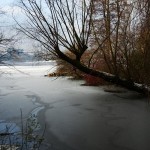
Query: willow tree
{"x": 66, "y": 25}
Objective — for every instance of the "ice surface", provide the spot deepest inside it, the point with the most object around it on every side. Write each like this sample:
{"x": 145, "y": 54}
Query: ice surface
{"x": 77, "y": 117}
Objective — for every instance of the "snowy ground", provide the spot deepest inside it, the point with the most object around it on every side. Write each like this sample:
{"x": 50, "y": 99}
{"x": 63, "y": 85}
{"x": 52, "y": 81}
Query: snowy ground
{"x": 76, "y": 117}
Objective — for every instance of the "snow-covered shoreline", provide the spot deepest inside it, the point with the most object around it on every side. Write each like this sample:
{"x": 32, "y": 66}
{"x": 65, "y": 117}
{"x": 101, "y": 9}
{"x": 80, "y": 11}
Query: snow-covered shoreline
{"x": 19, "y": 69}
{"x": 27, "y": 63}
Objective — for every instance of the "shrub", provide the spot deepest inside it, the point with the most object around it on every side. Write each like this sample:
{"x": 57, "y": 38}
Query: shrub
{"x": 93, "y": 81}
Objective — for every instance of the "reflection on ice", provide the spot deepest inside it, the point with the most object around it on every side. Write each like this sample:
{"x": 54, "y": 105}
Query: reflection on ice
{"x": 14, "y": 138}
{"x": 8, "y": 128}
{"x": 9, "y": 135}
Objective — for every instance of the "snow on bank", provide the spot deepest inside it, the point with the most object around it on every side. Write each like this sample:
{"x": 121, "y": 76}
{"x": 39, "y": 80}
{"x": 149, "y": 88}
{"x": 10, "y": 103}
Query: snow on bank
{"x": 18, "y": 69}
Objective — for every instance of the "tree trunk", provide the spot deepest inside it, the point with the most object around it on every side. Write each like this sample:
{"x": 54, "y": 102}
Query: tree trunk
{"x": 105, "y": 76}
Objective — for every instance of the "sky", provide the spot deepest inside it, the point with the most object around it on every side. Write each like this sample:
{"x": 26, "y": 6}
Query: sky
{"x": 7, "y": 24}
{"x": 6, "y": 2}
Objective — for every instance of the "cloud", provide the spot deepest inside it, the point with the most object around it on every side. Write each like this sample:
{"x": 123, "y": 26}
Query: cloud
{"x": 12, "y": 10}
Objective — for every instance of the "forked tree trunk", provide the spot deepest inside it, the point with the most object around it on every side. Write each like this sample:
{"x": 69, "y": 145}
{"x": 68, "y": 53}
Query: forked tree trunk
{"x": 105, "y": 76}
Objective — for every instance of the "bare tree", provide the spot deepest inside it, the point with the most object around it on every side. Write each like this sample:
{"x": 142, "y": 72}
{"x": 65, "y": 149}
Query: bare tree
{"x": 66, "y": 25}
{"x": 3, "y": 40}
{"x": 143, "y": 38}
{"x": 112, "y": 33}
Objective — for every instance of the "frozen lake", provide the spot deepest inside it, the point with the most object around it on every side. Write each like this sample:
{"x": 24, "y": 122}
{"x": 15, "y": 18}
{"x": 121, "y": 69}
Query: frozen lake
{"x": 76, "y": 117}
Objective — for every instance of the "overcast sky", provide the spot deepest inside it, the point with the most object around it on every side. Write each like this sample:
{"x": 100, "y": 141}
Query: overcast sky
{"x": 6, "y": 2}
{"x": 7, "y": 23}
